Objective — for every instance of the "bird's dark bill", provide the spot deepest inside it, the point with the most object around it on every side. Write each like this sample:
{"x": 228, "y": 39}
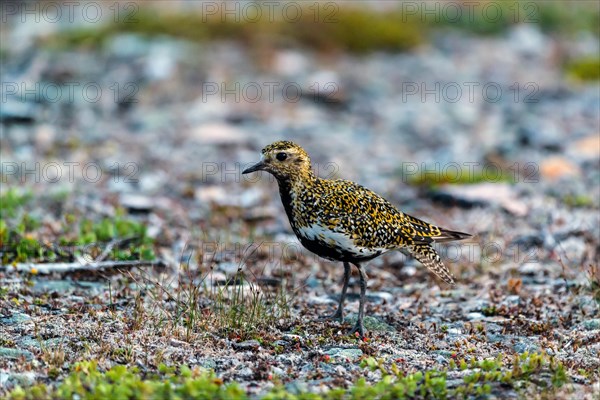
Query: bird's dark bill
{"x": 256, "y": 167}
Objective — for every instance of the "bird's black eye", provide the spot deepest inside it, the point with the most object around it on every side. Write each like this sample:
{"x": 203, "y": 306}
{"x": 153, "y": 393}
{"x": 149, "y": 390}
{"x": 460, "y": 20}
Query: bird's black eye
{"x": 281, "y": 156}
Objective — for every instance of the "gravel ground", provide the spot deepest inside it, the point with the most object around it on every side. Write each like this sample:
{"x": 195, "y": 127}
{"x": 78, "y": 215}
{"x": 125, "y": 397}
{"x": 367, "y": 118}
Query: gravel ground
{"x": 460, "y": 106}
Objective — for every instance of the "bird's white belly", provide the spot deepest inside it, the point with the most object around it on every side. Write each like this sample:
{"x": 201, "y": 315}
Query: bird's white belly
{"x": 337, "y": 240}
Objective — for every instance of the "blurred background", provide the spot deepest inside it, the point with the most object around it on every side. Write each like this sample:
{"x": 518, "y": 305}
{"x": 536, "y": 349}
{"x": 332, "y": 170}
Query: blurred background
{"x": 154, "y": 108}
{"x": 125, "y": 126}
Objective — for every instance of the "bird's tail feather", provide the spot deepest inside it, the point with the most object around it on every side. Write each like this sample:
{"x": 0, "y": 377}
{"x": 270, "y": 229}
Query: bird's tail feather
{"x": 427, "y": 255}
{"x": 449, "y": 236}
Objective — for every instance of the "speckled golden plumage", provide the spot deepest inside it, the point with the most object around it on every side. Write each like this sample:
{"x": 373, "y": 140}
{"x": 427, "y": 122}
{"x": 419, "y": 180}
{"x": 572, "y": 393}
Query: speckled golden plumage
{"x": 343, "y": 221}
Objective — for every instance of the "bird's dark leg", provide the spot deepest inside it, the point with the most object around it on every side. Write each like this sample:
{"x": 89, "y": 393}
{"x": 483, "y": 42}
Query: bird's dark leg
{"x": 358, "y": 327}
{"x": 339, "y": 314}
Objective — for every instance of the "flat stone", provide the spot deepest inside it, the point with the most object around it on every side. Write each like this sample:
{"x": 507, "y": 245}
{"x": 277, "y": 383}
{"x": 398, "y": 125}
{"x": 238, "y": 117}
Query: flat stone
{"x": 15, "y": 111}
{"x": 587, "y": 148}
{"x": 444, "y": 354}
{"x": 339, "y": 354}
{"x": 177, "y": 343}
{"x": 291, "y": 337}
{"x": 137, "y": 203}
{"x": 230, "y": 268}
{"x": 246, "y": 372}
{"x": 208, "y": 363}
{"x": 528, "y": 346}
{"x": 495, "y": 338}
{"x": 574, "y": 249}
{"x": 18, "y": 378}
{"x": 482, "y": 194}
{"x": 591, "y": 324}
{"x": 558, "y": 167}
{"x": 441, "y": 360}
{"x": 531, "y": 268}
{"x": 218, "y": 195}
{"x": 67, "y": 287}
{"x": 30, "y": 341}
{"x": 475, "y": 316}
{"x": 290, "y": 63}
{"x": 15, "y": 319}
{"x": 15, "y": 354}
{"x": 511, "y": 300}
{"x": 247, "y": 345}
{"x": 297, "y": 387}
{"x": 371, "y": 324}
{"x": 218, "y": 134}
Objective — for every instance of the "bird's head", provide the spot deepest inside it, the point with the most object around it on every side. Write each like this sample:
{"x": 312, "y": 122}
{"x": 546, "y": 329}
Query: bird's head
{"x": 284, "y": 160}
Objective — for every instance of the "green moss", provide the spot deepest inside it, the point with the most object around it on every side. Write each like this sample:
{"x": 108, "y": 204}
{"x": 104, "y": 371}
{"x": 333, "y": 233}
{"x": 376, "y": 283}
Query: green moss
{"x": 86, "y": 382}
{"x": 566, "y": 16}
{"x": 359, "y": 31}
{"x": 110, "y": 228}
{"x": 454, "y": 175}
{"x": 587, "y": 69}
{"x": 341, "y": 26}
{"x": 348, "y": 28}
{"x": 479, "y": 18}
{"x": 578, "y": 200}
{"x": 489, "y": 311}
{"x": 487, "y": 18}
{"x": 11, "y": 201}
{"x": 21, "y": 243}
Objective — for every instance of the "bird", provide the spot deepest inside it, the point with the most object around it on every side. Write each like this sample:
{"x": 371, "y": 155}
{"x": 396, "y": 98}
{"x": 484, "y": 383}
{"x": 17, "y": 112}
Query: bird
{"x": 341, "y": 220}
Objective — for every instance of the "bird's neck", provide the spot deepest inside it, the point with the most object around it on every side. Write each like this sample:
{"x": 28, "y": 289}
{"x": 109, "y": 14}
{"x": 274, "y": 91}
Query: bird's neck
{"x": 301, "y": 181}
{"x": 292, "y": 188}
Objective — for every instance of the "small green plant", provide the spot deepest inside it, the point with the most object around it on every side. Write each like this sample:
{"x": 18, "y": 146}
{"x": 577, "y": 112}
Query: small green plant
{"x": 11, "y": 201}
{"x": 116, "y": 238}
{"x": 87, "y": 382}
{"x": 489, "y": 311}
{"x": 237, "y": 307}
{"x": 242, "y": 307}
{"x": 586, "y": 69}
{"x": 579, "y": 201}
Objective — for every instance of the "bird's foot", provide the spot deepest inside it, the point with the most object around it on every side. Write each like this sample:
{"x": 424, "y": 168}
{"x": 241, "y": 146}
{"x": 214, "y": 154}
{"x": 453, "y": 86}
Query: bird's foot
{"x": 358, "y": 328}
{"x": 337, "y": 316}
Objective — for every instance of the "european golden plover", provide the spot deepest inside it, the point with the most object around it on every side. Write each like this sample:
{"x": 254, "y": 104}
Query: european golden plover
{"x": 342, "y": 221}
